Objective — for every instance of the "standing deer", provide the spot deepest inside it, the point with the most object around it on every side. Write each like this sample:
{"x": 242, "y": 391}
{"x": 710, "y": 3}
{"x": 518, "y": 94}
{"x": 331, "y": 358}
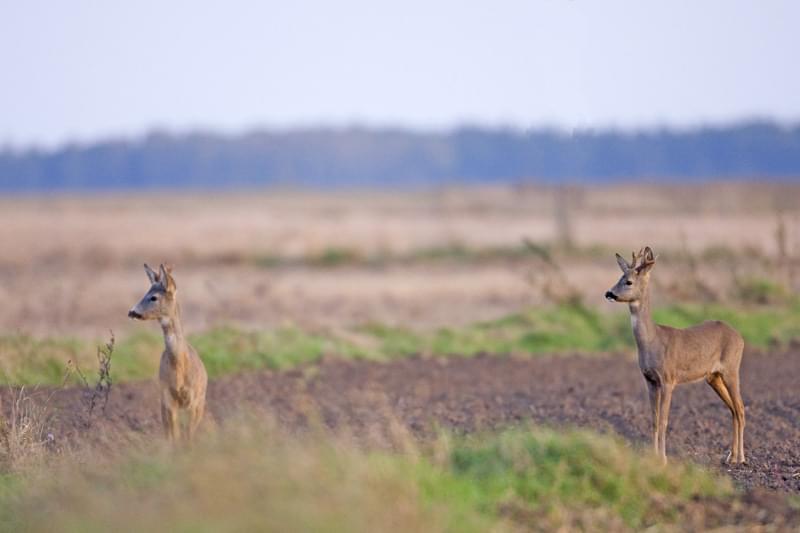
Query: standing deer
{"x": 669, "y": 356}
{"x": 181, "y": 374}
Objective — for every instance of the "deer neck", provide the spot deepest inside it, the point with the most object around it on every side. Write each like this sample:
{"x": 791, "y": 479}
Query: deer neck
{"x": 174, "y": 340}
{"x": 644, "y": 329}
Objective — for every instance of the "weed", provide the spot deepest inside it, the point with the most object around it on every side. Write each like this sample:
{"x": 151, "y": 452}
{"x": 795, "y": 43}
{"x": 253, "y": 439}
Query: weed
{"x": 102, "y": 387}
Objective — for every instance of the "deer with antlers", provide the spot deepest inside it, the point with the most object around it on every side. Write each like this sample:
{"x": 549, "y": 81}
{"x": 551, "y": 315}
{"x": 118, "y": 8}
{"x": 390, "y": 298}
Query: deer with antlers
{"x": 181, "y": 374}
{"x": 668, "y": 356}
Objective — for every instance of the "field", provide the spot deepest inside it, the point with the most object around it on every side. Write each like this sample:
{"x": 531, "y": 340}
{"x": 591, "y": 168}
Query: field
{"x": 435, "y": 360}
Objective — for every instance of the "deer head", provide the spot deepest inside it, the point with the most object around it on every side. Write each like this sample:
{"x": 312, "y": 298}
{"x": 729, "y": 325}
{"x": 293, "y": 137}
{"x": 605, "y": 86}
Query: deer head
{"x": 635, "y": 277}
{"x": 158, "y": 302}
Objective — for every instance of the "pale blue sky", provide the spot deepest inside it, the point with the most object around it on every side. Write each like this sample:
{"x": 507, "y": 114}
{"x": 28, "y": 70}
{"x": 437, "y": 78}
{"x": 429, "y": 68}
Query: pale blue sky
{"x": 86, "y": 70}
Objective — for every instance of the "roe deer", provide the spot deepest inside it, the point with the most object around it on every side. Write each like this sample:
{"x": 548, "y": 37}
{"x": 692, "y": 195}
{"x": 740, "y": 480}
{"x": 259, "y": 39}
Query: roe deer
{"x": 181, "y": 374}
{"x": 669, "y": 356}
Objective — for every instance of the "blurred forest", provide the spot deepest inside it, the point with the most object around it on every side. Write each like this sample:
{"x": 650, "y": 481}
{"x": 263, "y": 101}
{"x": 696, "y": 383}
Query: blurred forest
{"x": 355, "y": 157}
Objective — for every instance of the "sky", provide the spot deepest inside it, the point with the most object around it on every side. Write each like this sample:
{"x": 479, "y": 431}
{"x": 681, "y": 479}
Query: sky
{"x": 79, "y": 71}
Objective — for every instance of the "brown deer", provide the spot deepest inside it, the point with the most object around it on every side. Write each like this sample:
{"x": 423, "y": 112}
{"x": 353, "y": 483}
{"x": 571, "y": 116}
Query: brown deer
{"x": 181, "y": 374}
{"x": 669, "y": 356}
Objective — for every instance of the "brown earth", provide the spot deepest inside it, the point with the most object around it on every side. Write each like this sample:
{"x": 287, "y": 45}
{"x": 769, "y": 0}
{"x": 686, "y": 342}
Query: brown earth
{"x": 467, "y": 395}
{"x": 392, "y": 404}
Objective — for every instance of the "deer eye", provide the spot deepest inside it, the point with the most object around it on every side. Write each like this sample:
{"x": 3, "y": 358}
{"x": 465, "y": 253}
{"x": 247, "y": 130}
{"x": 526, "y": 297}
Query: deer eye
{"x": 628, "y": 282}
{"x": 153, "y": 298}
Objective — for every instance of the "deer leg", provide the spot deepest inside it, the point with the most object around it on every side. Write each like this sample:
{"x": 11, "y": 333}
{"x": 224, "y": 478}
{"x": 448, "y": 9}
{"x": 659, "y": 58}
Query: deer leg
{"x": 195, "y": 417}
{"x": 654, "y": 391}
{"x": 663, "y": 419}
{"x": 169, "y": 419}
{"x": 732, "y": 383}
{"x": 716, "y": 382}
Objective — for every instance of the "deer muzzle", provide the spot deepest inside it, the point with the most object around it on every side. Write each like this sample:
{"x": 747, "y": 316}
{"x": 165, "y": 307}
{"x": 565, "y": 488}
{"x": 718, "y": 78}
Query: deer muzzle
{"x": 133, "y": 314}
{"x": 610, "y": 296}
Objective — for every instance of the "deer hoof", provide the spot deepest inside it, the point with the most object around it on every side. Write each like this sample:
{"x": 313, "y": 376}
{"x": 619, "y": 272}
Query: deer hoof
{"x": 730, "y": 460}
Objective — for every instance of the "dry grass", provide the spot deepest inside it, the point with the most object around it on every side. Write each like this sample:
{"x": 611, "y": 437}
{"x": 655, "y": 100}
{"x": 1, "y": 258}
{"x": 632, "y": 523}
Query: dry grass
{"x": 424, "y": 260}
{"x": 24, "y": 437}
{"x": 253, "y": 478}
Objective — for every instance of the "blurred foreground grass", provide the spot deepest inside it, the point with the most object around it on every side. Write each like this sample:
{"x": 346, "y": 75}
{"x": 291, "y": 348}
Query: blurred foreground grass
{"x": 244, "y": 479}
{"x": 558, "y": 329}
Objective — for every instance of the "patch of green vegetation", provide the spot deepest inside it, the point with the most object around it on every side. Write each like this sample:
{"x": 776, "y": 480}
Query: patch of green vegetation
{"x": 392, "y": 341}
{"x": 560, "y": 329}
{"x": 26, "y": 360}
{"x": 760, "y": 326}
{"x": 547, "y": 471}
{"x": 244, "y": 479}
{"x": 226, "y": 349}
{"x": 332, "y": 256}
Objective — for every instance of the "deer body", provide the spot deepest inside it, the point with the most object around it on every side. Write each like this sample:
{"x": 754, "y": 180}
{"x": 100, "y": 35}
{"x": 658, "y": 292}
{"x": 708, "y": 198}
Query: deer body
{"x": 182, "y": 375}
{"x": 669, "y": 356}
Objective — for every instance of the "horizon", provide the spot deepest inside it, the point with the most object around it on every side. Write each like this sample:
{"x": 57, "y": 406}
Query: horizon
{"x": 266, "y": 129}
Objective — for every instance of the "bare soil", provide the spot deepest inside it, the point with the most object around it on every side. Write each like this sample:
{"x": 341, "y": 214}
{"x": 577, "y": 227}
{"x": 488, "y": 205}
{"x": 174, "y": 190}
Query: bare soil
{"x": 464, "y": 395}
{"x": 410, "y": 400}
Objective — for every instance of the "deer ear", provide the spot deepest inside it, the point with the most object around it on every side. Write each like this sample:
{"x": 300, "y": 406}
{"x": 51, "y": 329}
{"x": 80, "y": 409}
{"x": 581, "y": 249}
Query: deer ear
{"x": 623, "y": 265}
{"x": 151, "y": 275}
{"x": 166, "y": 278}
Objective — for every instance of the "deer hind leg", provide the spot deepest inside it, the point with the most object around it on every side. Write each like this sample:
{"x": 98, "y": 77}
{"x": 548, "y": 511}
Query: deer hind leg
{"x": 169, "y": 419}
{"x": 732, "y": 383}
{"x": 717, "y": 383}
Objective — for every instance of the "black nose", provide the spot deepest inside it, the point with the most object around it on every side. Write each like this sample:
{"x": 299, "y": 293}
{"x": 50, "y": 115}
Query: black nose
{"x": 610, "y": 296}
{"x": 133, "y": 314}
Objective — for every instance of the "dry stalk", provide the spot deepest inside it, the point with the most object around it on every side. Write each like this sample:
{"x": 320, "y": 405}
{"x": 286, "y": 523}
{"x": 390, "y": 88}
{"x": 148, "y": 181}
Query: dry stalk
{"x": 101, "y": 389}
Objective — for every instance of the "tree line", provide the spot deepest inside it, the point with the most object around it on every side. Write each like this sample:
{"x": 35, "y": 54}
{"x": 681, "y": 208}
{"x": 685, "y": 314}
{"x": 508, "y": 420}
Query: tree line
{"x": 355, "y": 157}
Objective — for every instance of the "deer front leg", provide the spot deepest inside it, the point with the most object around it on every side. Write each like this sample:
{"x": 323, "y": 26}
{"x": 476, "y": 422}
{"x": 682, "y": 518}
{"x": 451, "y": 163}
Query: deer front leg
{"x": 195, "y": 417}
{"x": 663, "y": 419}
{"x": 654, "y": 392}
{"x": 169, "y": 419}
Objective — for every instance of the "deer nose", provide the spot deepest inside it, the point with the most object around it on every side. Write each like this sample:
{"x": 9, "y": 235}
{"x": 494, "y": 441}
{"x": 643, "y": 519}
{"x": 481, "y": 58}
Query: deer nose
{"x": 133, "y": 314}
{"x": 611, "y": 296}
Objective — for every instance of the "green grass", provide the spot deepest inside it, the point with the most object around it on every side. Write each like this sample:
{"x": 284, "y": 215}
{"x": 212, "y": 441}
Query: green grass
{"x": 546, "y": 470}
{"x": 242, "y": 479}
{"x": 760, "y": 326}
{"x": 552, "y": 330}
